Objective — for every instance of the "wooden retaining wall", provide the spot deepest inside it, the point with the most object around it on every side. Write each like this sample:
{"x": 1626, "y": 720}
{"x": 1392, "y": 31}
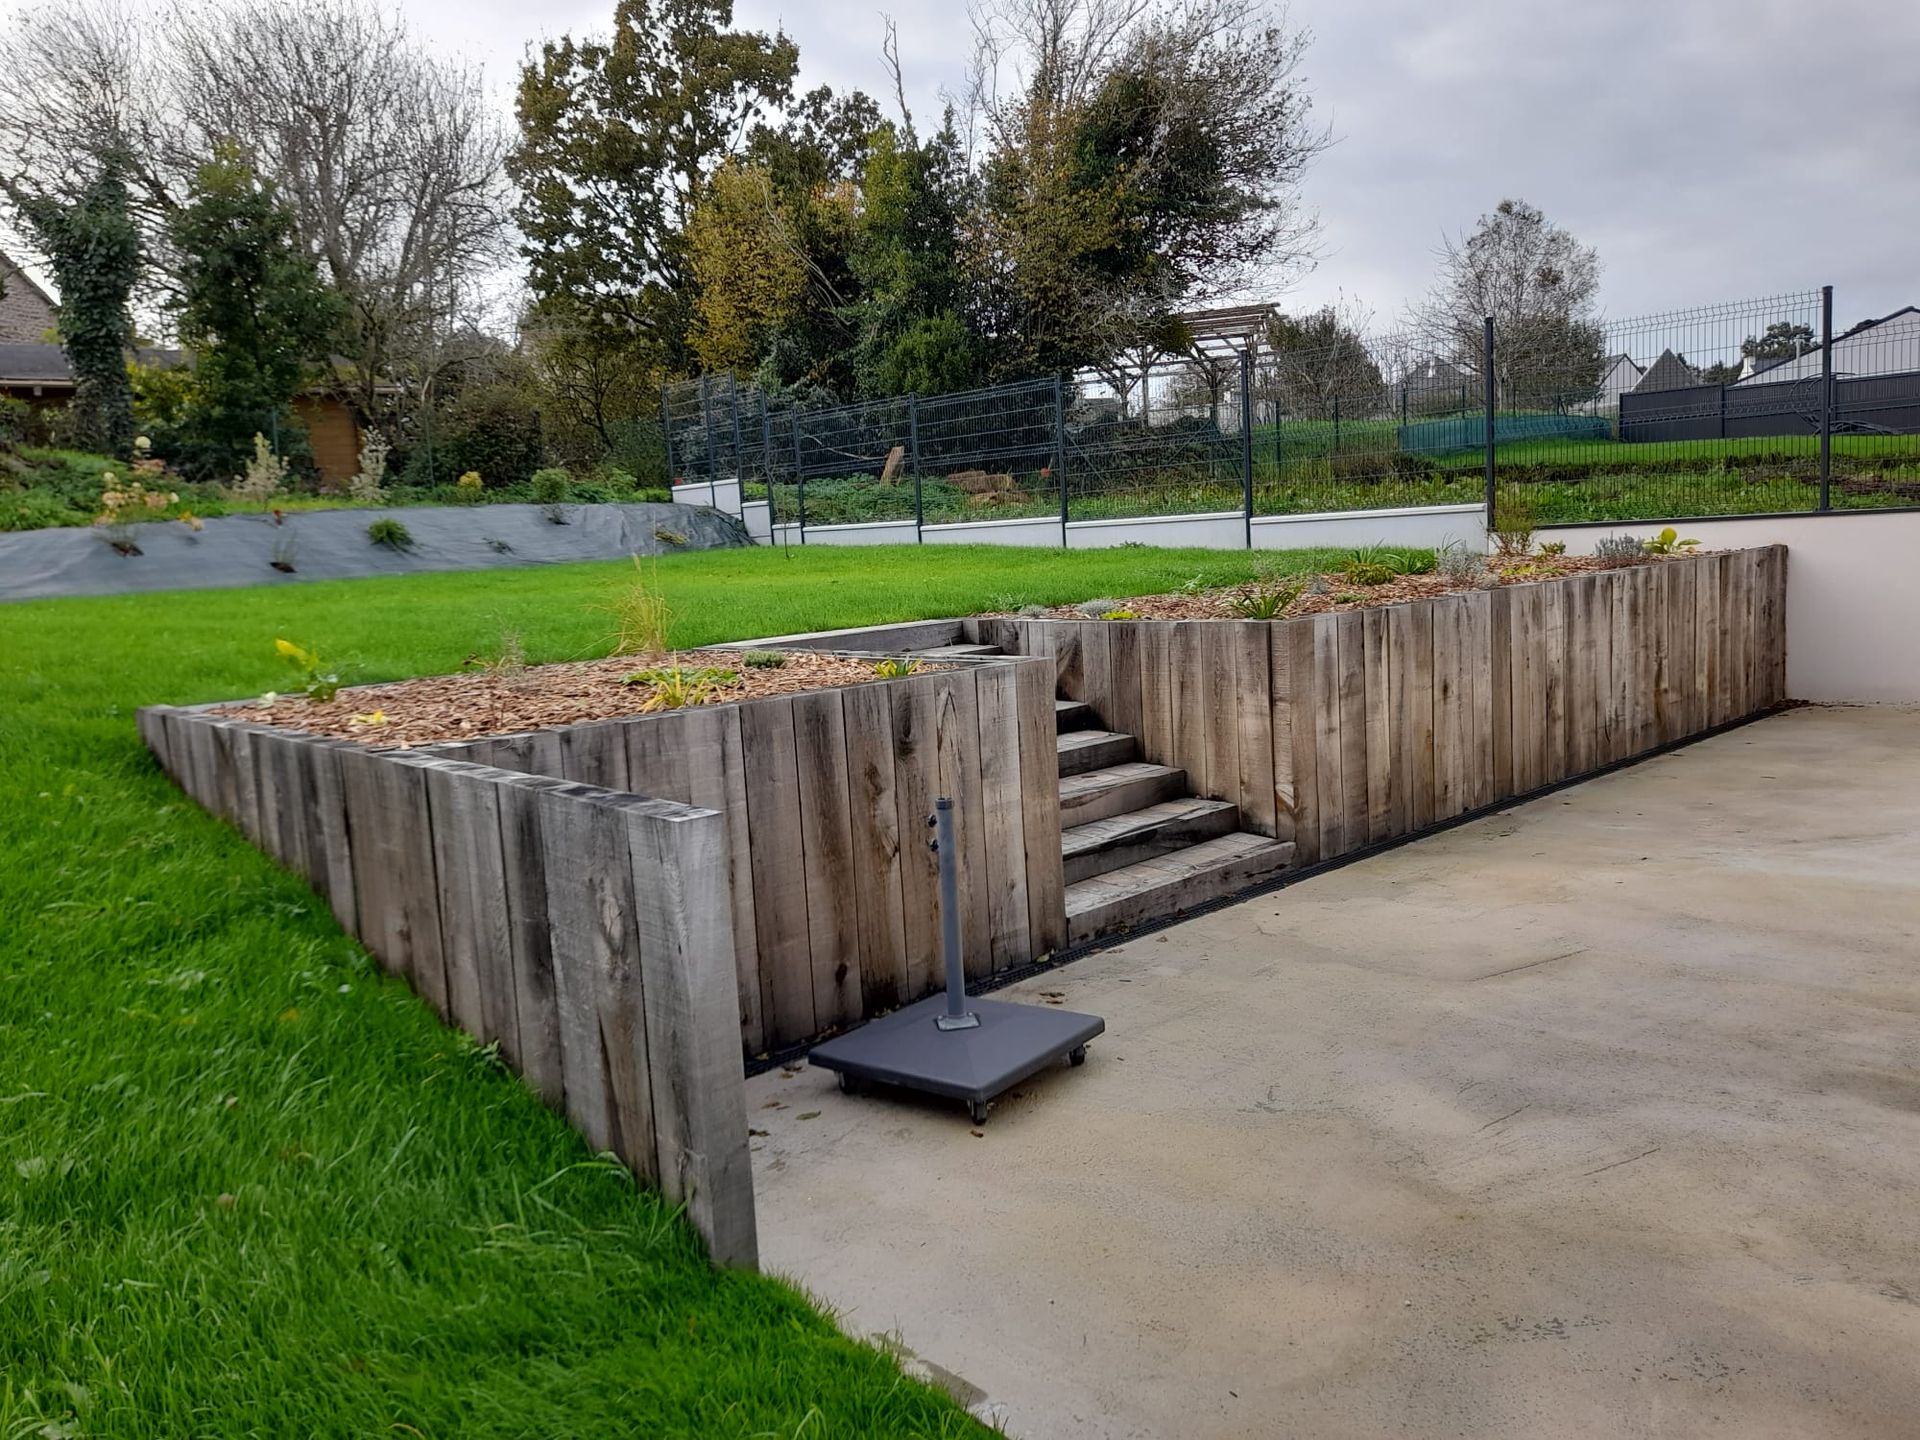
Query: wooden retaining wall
{"x": 1337, "y": 731}
{"x": 833, "y": 894}
{"x": 587, "y": 932}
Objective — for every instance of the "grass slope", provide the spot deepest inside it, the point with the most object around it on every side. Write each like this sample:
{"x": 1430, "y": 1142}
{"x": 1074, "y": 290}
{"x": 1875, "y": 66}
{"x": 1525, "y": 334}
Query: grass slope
{"x": 248, "y": 1186}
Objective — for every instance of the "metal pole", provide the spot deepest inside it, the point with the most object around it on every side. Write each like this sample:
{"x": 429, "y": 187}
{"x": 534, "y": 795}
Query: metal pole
{"x": 766, "y": 458}
{"x": 913, "y": 452}
{"x": 957, "y": 1016}
{"x": 706, "y": 422}
{"x": 1486, "y": 361}
{"x": 1060, "y": 452}
{"x": 1826, "y": 397}
{"x": 799, "y": 479}
{"x": 666, "y": 430}
{"x": 737, "y": 446}
{"x": 1246, "y": 443}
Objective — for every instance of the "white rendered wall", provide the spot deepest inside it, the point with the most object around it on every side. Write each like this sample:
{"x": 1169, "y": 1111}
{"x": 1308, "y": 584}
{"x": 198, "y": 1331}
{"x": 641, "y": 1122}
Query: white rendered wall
{"x": 1027, "y": 531}
{"x": 1853, "y": 595}
{"x": 1428, "y": 527}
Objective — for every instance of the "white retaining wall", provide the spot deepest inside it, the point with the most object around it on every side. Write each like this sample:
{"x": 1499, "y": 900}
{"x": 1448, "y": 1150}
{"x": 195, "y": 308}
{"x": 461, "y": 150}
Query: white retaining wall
{"x": 1853, "y": 595}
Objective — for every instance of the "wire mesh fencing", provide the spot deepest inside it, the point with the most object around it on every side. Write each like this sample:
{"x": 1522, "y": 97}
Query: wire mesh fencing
{"x": 1761, "y": 406}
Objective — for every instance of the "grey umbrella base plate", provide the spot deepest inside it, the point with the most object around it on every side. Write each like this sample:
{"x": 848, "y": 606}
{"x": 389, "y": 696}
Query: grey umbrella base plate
{"x": 1010, "y": 1043}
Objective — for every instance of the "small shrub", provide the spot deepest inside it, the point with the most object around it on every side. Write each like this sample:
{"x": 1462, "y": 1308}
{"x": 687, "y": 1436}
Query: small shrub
{"x": 1616, "y": 550}
{"x": 1268, "y": 602}
{"x": 1120, "y": 614}
{"x": 266, "y": 472}
{"x": 498, "y": 546}
{"x": 640, "y": 616}
{"x": 470, "y": 486}
{"x": 391, "y": 533}
{"x": 1667, "y": 542}
{"x": 1094, "y": 609}
{"x": 669, "y": 537}
{"x": 896, "y": 669}
{"x": 1553, "y": 547}
{"x": 675, "y": 687}
{"x": 764, "y": 659}
{"x": 556, "y": 514}
{"x": 1369, "y": 573}
{"x": 552, "y": 486}
{"x": 1348, "y": 597}
{"x": 1457, "y": 564}
{"x": 1515, "y": 516}
{"x": 369, "y": 483}
{"x": 316, "y": 681}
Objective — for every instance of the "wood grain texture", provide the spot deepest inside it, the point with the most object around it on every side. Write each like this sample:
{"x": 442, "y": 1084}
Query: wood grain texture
{"x": 1217, "y": 682}
{"x": 1302, "y": 727}
{"x": 659, "y": 755}
{"x": 594, "y": 753}
{"x": 874, "y": 810}
{"x": 1350, "y": 631}
{"x": 826, "y": 835}
{"x": 778, "y": 866}
{"x": 592, "y": 920}
{"x": 1376, "y": 661}
{"x": 716, "y": 772}
{"x": 957, "y": 721}
{"x": 1009, "y": 940}
{"x": 1125, "y": 647}
{"x": 1280, "y": 730}
{"x": 687, "y": 991}
{"x": 1476, "y": 638}
{"x": 1156, "y": 692}
{"x": 1328, "y": 755}
{"x": 916, "y": 779}
{"x": 1040, "y": 808}
{"x": 475, "y": 929}
{"x": 536, "y": 1051}
{"x": 1252, "y": 658}
{"x": 1449, "y": 709}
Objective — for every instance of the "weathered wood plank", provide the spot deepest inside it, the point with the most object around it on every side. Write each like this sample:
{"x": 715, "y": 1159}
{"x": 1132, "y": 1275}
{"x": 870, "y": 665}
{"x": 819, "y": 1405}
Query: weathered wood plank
{"x": 1253, "y": 722}
{"x": 916, "y": 779}
{"x": 1125, "y": 710}
{"x": 1500, "y": 693}
{"x": 1192, "y": 704}
{"x": 1350, "y": 643}
{"x": 1709, "y": 639}
{"x": 833, "y": 935}
{"x": 1329, "y": 757}
{"x": 958, "y": 721}
{"x": 329, "y": 843}
{"x": 408, "y": 819}
{"x": 657, "y": 756}
{"x": 874, "y": 811}
{"x": 1477, "y": 684}
{"x": 1069, "y": 659}
{"x": 1040, "y": 809}
{"x": 1527, "y": 645}
{"x": 1096, "y": 666}
{"x": 1286, "y": 792}
{"x": 1009, "y": 940}
{"x": 1416, "y": 684}
{"x": 1377, "y": 660}
{"x": 1156, "y": 691}
{"x": 592, "y": 920}
{"x": 1645, "y": 642}
{"x": 717, "y": 780}
{"x": 1554, "y": 605}
{"x": 778, "y": 865}
{"x": 536, "y": 1051}
{"x": 1449, "y": 717}
{"x": 475, "y": 929}
{"x": 687, "y": 972}
{"x": 595, "y": 753}
{"x": 1222, "y": 707}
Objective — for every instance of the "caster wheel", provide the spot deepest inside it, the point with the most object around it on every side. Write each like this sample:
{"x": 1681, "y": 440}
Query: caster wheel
{"x": 977, "y": 1111}
{"x": 1077, "y": 1055}
{"x": 848, "y": 1085}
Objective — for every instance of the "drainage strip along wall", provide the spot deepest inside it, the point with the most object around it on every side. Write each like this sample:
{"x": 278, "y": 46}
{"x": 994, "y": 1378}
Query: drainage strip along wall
{"x": 1341, "y": 730}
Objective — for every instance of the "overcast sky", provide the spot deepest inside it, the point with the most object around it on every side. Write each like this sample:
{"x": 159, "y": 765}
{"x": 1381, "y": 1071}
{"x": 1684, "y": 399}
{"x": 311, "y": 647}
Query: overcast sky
{"x": 1711, "y": 149}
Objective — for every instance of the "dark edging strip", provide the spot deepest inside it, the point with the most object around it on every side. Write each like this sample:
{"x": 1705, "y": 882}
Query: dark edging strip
{"x": 795, "y": 1054}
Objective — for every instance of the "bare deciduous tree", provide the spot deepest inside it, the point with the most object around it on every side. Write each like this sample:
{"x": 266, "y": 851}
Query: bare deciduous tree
{"x": 390, "y": 156}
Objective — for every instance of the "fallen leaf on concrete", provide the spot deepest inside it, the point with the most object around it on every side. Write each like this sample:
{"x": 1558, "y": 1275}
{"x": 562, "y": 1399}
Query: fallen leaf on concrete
{"x": 808, "y": 1115}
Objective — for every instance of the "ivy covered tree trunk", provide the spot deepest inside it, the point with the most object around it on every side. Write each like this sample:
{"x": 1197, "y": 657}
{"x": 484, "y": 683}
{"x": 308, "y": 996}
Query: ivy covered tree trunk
{"x": 93, "y": 247}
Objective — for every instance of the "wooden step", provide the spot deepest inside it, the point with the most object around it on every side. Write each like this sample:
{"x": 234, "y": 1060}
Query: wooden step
{"x": 1074, "y": 715}
{"x": 1168, "y": 884}
{"x": 942, "y": 652}
{"x": 1103, "y": 845}
{"x": 1098, "y": 794}
{"x": 1084, "y": 750}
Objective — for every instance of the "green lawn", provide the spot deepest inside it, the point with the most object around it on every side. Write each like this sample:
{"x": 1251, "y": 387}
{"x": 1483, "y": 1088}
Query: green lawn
{"x": 249, "y": 1187}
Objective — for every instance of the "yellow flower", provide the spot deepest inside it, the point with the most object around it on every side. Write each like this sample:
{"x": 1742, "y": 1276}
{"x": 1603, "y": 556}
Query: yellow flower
{"x": 377, "y": 717}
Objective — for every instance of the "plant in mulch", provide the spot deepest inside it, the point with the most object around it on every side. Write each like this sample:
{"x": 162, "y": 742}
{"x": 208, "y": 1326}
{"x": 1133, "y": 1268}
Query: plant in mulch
{"x": 470, "y": 486}
{"x": 1515, "y": 516}
{"x": 896, "y": 668}
{"x": 124, "y": 503}
{"x": 286, "y": 549}
{"x": 1616, "y": 550}
{"x": 391, "y": 533}
{"x": 669, "y": 537}
{"x": 1122, "y": 613}
{"x": 1553, "y": 547}
{"x": 764, "y": 659}
{"x": 316, "y": 681}
{"x": 499, "y": 547}
{"x": 640, "y": 615}
{"x": 1667, "y": 542}
{"x": 266, "y": 472}
{"x": 1095, "y": 609}
{"x": 1455, "y": 562}
{"x": 674, "y": 687}
{"x": 1268, "y": 602}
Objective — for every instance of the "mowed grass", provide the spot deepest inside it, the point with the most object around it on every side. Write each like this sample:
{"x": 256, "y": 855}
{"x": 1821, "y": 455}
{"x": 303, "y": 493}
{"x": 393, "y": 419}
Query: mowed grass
{"x": 250, "y": 1187}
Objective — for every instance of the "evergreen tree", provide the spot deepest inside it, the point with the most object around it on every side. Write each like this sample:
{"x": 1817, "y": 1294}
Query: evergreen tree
{"x": 252, "y": 308}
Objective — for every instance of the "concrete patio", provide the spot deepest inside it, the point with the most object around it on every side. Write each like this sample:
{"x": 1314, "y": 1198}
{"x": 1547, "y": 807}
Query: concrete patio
{"x": 1600, "y": 1116}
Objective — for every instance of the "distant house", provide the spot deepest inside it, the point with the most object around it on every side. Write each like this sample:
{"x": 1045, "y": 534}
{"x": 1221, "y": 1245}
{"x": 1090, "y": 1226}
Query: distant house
{"x": 1887, "y": 346}
{"x": 27, "y": 312}
{"x": 1622, "y": 374}
{"x": 1436, "y": 384}
{"x": 1669, "y": 372}
{"x": 39, "y": 374}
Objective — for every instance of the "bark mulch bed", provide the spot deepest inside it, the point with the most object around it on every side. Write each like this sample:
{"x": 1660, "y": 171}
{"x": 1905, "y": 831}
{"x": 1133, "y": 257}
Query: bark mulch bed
{"x": 535, "y": 697}
{"x": 1335, "y": 591}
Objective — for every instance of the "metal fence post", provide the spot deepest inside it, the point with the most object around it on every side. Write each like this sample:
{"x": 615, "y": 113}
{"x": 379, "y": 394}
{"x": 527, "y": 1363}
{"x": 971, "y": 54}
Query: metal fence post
{"x": 1246, "y": 442}
{"x": 1826, "y": 397}
{"x": 799, "y": 480}
{"x": 1486, "y": 360}
{"x": 666, "y": 430}
{"x": 706, "y": 422}
{"x": 738, "y": 447}
{"x": 913, "y": 453}
{"x": 766, "y": 460}
{"x": 1060, "y": 451}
